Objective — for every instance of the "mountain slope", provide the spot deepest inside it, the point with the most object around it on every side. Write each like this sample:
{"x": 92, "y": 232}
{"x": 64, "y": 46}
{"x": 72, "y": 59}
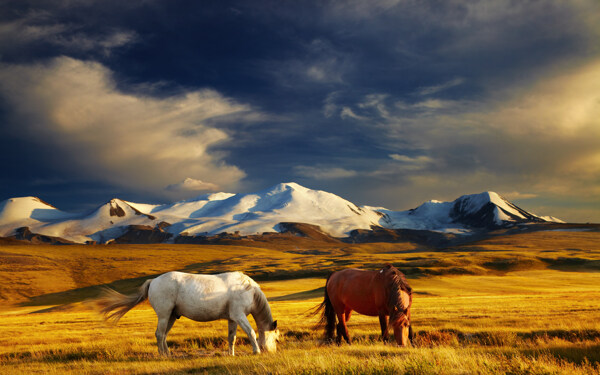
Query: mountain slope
{"x": 286, "y": 202}
{"x": 27, "y": 211}
{"x": 487, "y": 210}
{"x": 254, "y": 213}
{"x": 106, "y": 222}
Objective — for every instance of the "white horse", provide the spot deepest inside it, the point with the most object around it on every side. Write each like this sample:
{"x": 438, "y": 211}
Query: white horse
{"x": 232, "y": 296}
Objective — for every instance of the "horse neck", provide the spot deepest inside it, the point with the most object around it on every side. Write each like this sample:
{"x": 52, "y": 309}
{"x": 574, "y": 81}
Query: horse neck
{"x": 261, "y": 311}
{"x": 398, "y": 299}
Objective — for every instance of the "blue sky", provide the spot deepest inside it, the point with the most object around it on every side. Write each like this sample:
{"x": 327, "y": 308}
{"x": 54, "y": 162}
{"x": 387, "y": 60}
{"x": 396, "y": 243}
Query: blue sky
{"x": 385, "y": 103}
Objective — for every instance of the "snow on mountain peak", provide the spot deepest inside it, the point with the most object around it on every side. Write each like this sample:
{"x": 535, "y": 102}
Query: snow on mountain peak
{"x": 483, "y": 210}
{"x": 210, "y": 197}
{"x": 489, "y": 209}
{"x": 218, "y": 196}
{"x": 287, "y": 185}
{"x": 27, "y": 212}
{"x": 474, "y": 202}
{"x": 113, "y": 209}
{"x": 259, "y": 212}
{"x": 285, "y": 202}
{"x": 22, "y": 208}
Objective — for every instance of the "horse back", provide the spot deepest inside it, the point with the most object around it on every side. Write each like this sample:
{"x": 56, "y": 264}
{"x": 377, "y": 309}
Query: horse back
{"x": 358, "y": 290}
{"x": 200, "y": 297}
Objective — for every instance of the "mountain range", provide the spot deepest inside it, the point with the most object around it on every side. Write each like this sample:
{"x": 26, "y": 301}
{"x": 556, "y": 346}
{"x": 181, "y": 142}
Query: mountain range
{"x": 269, "y": 210}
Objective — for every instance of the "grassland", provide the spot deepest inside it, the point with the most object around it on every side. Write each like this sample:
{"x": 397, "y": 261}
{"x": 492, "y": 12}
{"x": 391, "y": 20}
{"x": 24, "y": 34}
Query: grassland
{"x": 521, "y": 304}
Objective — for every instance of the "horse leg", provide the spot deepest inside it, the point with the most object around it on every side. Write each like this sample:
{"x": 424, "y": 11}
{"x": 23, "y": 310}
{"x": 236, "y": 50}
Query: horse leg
{"x": 232, "y": 336}
{"x": 347, "y": 314}
{"x": 162, "y": 328}
{"x": 163, "y": 307}
{"x": 342, "y": 329}
{"x": 172, "y": 320}
{"x": 338, "y": 329}
{"x": 383, "y": 322}
{"x": 242, "y": 320}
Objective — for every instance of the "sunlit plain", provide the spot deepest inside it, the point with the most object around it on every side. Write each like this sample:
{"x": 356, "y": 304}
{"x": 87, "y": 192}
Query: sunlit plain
{"x": 523, "y": 304}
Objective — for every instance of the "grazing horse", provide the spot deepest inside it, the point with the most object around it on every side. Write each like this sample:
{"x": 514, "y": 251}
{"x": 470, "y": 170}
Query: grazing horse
{"x": 379, "y": 293}
{"x": 232, "y": 296}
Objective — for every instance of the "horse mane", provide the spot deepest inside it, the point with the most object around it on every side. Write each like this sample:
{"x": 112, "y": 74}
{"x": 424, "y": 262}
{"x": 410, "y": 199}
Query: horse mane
{"x": 262, "y": 310}
{"x": 396, "y": 284}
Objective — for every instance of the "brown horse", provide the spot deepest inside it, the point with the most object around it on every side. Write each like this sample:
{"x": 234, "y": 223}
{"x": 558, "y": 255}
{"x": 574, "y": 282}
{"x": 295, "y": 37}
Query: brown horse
{"x": 379, "y": 293}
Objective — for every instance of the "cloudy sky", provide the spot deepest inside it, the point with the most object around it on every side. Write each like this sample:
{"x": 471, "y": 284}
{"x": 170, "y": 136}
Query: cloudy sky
{"x": 385, "y": 102}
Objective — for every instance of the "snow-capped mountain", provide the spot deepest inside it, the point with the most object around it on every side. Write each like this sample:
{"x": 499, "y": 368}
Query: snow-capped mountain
{"x": 259, "y": 212}
{"x": 28, "y": 211}
{"x": 487, "y": 210}
{"x": 262, "y": 211}
{"x": 106, "y": 222}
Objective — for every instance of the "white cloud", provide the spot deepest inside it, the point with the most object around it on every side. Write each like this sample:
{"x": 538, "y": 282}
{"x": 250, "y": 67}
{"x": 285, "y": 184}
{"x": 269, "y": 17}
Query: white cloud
{"x": 24, "y": 32}
{"x": 325, "y": 71}
{"x": 417, "y": 160}
{"x": 323, "y": 173}
{"x": 324, "y": 64}
{"x": 321, "y": 63}
{"x": 105, "y": 43}
{"x": 132, "y": 140}
{"x": 433, "y": 104}
{"x": 190, "y": 184}
{"x": 515, "y": 195}
{"x": 542, "y": 140}
{"x": 429, "y": 90}
{"x": 376, "y": 102}
{"x": 556, "y": 106}
{"x": 347, "y": 112}
{"x": 329, "y": 104}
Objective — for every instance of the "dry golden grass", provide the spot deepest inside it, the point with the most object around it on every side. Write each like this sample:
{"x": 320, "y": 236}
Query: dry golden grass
{"x": 525, "y": 304}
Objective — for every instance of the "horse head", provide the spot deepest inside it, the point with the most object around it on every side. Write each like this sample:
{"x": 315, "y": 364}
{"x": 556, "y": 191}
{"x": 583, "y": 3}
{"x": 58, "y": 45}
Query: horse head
{"x": 399, "y": 303}
{"x": 268, "y": 339}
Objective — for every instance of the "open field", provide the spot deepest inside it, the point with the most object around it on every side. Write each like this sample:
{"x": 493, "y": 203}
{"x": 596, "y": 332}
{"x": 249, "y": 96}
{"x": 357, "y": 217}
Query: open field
{"x": 523, "y": 304}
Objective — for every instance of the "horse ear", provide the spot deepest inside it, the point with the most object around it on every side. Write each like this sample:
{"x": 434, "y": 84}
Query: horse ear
{"x": 274, "y": 326}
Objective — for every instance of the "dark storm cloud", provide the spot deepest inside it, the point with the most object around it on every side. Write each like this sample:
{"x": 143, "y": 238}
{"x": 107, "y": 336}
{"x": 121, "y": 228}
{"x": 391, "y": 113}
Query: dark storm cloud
{"x": 407, "y": 100}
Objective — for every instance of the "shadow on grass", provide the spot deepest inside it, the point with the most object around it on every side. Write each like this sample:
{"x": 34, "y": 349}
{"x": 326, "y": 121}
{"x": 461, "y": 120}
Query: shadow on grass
{"x": 452, "y": 337}
{"x": 128, "y": 286}
{"x": 70, "y": 355}
{"x": 414, "y": 267}
{"x": 195, "y": 370}
{"x": 578, "y": 355}
{"x": 572, "y": 264}
{"x": 307, "y": 294}
{"x": 206, "y": 343}
{"x": 125, "y": 286}
{"x": 567, "y": 335}
{"x": 86, "y": 293}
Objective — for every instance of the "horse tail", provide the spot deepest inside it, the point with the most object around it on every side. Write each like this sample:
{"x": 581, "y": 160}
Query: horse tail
{"x": 327, "y": 319}
{"x": 114, "y": 304}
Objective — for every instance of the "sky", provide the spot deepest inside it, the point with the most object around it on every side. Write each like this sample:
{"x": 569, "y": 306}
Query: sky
{"x": 384, "y": 102}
